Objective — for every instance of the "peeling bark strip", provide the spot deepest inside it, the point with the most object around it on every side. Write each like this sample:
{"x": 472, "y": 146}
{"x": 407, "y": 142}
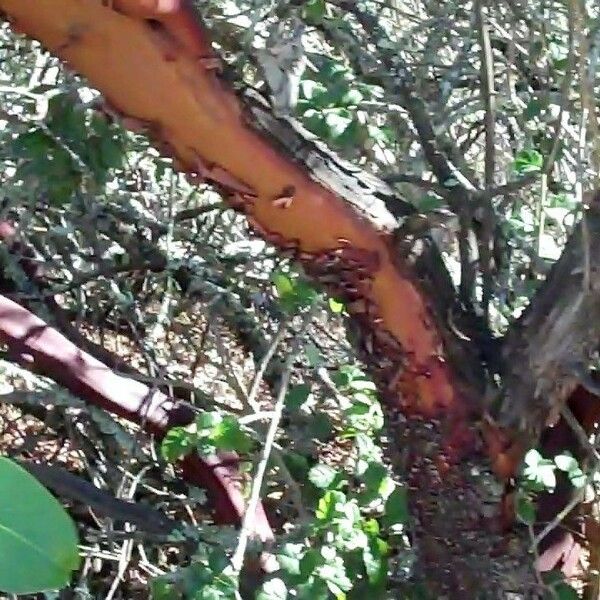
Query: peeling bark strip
{"x": 44, "y": 350}
{"x": 148, "y": 58}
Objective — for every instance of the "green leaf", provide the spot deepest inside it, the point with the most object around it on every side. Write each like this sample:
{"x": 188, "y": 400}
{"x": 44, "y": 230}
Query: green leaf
{"x": 333, "y": 572}
{"x": 178, "y": 442}
{"x": 293, "y": 292}
{"x": 297, "y": 395}
{"x": 534, "y": 108}
{"x": 297, "y": 464}
{"x": 314, "y": 589}
{"x": 111, "y": 152}
{"x": 330, "y": 506}
{"x": 49, "y": 166}
{"x": 320, "y": 427}
{"x": 556, "y": 581}
{"x": 218, "y": 560}
{"x": 577, "y": 478}
{"x": 430, "y": 202}
{"x": 540, "y": 473}
{"x": 38, "y": 541}
{"x": 375, "y": 559}
{"x": 396, "y": 508}
{"x": 533, "y": 458}
{"x": 525, "y": 509}
{"x": 208, "y": 420}
{"x": 313, "y": 355}
{"x": 374, "y": 477}
{"x": 314, "y": 11}
{"x": 565, "y": 592}
{"x": 322, "y": 476}
{"x": 560, "y": 64}
{"x": 228, "y": 435}
{"x": 311, "y": 88}
{"x": 283, "y": 284}
{"x": 337, "y": 123}
{"x": 161, "y": 588}
{"x": 352, "y": 97}
{"x": 363, "y": 385}
{"x": 566, "y": 462}
{"x": 289, "y": 558}
{"x": 310, "y": 561}
{"x": 528, "y": 161}
{"x": 335, "y": 306}
{"x": 274, "y": 589}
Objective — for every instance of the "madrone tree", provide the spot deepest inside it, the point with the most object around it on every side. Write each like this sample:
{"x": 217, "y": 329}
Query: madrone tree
{"x": 463, "y": 126}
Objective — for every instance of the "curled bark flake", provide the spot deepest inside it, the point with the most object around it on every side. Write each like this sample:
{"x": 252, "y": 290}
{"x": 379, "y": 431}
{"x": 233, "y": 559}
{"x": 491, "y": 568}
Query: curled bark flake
{"x": 286, "y": 198}
{"x": 283, "y": 202}
{"x": 211, "y": 63}
{"x": 243, "y": 203}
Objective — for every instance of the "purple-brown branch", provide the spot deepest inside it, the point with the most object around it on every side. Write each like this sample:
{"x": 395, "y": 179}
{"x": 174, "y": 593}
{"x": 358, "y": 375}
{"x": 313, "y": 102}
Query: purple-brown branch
{"x": 42, "y": 349}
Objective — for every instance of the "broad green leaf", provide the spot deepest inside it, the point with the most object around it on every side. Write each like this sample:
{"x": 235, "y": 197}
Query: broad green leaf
{"x": 363, "y": 385}
{"x": 274, "y": 589}
{"x": 534, "y": 108}
{"x": 337, "y": 123}
{"x": 297, "y": 464}
{"x": 322, "y": 476}
{"x": 208, "y": 420}
{"x": 320, "y": 427}
{"x": 310, "y": 561}
{"x": 283, "y": 284}
{"x": 375, "y": 559}
{"x": 335, "y": 306}
{"x": 297, "y": 395}
{"x": 577, "y": 478}
{"x": 178, "y": 442}
{"x": 533, "y": 458}
{"x": 330, "y": 506}
{"x": 314, "y": 11}
{"x": 314, "y": 589}
{"x": 555, "y": 580}
{"x": 528, "y": 161}
{"x": 313, "y": 355}
{"x": 333, "y": 572}
{"x": 525, "y": 509}
{"x": 38, "y": 540}
{"x": 566, "y": 462}
{"x": 293, "y": 292}
{"x": 163, "y": 589}
{"x": 228, "y": 435}
{"x": 374, "y": 478}
{"x": 218, "y": 560}
{"x": 396, "y": 508}
{"x": 290, "y": 557}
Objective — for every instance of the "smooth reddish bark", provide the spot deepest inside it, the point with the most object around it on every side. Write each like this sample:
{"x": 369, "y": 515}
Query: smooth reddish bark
{"x": 44, "y": 350}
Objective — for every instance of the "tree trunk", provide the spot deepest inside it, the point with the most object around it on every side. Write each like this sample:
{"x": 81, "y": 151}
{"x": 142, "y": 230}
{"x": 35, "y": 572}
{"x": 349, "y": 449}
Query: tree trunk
{"x": 157, "y": 69}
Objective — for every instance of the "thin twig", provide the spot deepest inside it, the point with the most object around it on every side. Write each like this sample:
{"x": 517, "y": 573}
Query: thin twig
{"x": 237, "y": 559}
{"x": 487, "y": 222}
{"x": 262, "y": 367}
